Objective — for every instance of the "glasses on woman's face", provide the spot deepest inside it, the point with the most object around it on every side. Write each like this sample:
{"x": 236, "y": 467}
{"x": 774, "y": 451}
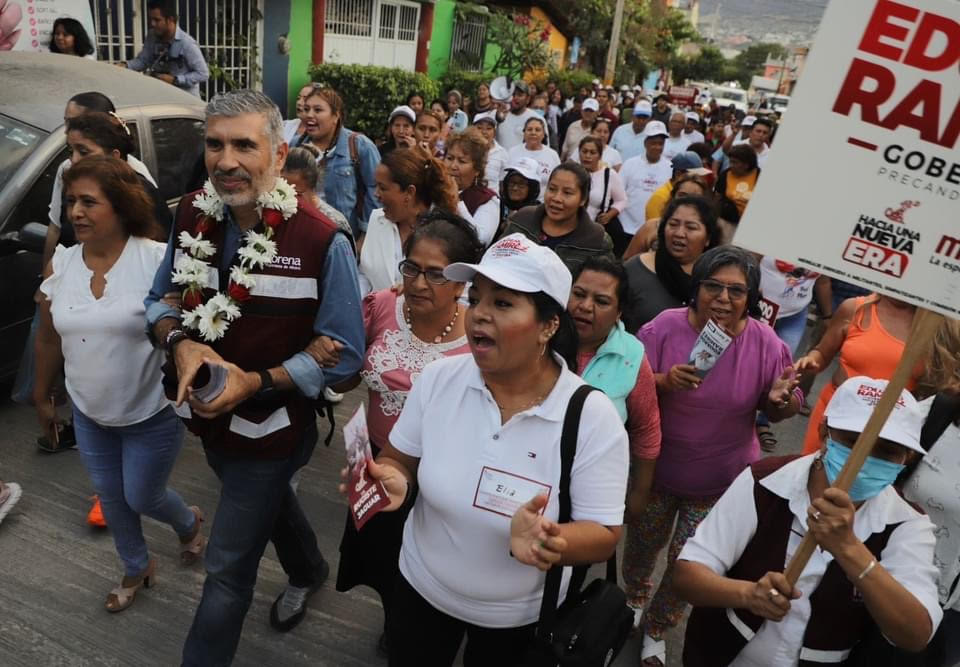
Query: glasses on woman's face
{"x": 714, "y": 288}
{"x": 410, "y": 270}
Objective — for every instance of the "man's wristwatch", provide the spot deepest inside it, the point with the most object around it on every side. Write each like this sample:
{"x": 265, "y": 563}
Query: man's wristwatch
{"x": 175, "y": 336}
{"x": 267, "y": 389}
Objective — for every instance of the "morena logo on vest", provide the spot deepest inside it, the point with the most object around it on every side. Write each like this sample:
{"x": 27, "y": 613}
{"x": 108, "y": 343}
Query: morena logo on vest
{"x": 286, "y": 263}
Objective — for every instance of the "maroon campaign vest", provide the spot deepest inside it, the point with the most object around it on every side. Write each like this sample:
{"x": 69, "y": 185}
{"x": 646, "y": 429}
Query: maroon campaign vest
{"x": 475, "y": 196}
{"x": 274, "y": 324}
{"x": 838, "y": 616}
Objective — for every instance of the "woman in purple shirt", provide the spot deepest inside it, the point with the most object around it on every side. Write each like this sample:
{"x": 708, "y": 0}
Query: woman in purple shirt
{"x": 707, "y": 423}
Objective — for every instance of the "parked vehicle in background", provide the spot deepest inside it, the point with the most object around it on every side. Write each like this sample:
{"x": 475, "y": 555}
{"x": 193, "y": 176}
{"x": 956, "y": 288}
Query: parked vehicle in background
{"x": 778, "y": 103}
{"x": 726, "y": 95}
{"x": 167, "y": 127}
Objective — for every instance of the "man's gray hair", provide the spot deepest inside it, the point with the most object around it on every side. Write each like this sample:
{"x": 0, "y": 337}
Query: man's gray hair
{"x": 237, "y": 102}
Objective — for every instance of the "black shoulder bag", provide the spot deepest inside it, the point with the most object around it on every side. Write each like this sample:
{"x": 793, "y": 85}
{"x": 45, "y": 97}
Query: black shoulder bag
{"x": 592, "y": 625}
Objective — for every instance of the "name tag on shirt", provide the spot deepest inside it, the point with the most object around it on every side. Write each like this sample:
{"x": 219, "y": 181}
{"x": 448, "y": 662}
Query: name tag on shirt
{"x": 504, "y": 493}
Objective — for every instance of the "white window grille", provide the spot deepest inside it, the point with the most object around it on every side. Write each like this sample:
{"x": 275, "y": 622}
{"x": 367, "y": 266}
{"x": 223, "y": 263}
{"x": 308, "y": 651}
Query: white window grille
{"x": 469, "y": 42}
{"x": 350, "y": 17}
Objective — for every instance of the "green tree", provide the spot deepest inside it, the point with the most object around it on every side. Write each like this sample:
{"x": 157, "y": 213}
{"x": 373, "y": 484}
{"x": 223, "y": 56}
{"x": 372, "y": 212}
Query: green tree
{"x": 523, "y": 41}
{"x": 749, "y": 62}
{"x": 708, "y": 65}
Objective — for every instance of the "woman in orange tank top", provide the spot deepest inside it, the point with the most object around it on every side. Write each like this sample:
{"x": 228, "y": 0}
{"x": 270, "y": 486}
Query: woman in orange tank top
{"x": 869, "y": 333}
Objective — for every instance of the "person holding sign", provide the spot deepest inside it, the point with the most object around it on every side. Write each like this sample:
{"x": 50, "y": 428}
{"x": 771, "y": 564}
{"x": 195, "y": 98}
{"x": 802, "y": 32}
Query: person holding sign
{"x": 714, "y": 366}
{"x": 874, "y": 567}
{"x": 480, "y": 436}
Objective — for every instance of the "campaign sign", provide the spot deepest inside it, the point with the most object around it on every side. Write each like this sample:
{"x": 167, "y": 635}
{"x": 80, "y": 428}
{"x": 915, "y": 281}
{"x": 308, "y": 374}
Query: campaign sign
{"x": 863, "y": 183}
{"x": 27, "y": 25}
{"x": 365, "y": 495}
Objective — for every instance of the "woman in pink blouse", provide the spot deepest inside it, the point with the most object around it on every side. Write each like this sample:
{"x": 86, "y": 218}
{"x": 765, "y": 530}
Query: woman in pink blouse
{"x": 405, "y": 330}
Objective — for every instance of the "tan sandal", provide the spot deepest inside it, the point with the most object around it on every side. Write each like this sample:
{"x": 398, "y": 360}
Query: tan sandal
{"x": 123, "y": 595}
{"x": 191, "y": 551}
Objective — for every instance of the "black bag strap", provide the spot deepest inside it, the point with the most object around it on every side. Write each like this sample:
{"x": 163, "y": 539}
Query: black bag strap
{"x": 361, "y": 188}
{"x": 944, "y": 411}
{"x": 568, "y": 450}
{"x": 606, "y": 182}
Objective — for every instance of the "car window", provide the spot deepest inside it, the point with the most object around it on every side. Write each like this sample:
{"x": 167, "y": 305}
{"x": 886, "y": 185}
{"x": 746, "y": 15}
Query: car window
{"x": 178, "y": 145}
{"x": 17, "y": 142}
{"x": 35, "y": 205}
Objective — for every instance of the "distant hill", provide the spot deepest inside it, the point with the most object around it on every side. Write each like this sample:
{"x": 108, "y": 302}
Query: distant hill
{"x": 756, "y": 18}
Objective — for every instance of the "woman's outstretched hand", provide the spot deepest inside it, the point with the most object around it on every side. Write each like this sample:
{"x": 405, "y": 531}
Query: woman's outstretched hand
{"x": 534, "y": 539}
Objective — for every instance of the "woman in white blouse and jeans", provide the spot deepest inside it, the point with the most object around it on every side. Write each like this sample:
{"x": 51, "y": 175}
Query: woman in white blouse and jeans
{"x": 475, "y": 427}
{"x": 92, "y": 323}
{"x": 607, "y": 196}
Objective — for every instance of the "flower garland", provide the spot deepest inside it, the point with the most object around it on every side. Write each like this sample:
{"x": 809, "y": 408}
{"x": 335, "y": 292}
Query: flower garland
{"x": 213, "y": 317}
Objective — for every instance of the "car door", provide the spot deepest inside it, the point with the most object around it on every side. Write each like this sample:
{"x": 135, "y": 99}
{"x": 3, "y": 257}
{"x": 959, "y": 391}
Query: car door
{"x": 177, "y": 149}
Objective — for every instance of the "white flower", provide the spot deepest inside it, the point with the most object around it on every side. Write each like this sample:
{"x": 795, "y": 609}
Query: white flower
{"x": 258, "y": 251}
{"x": 224, "y": 306}
{"x": 241, "y": 276}
{"x": 282, "y": 198}
{"x": 211, "y": 325}
{"x": 191, "y": 318}
{"x": 209, "y": 202}
{"x": 190, "y": 271}
{"x": 197, "y": 246}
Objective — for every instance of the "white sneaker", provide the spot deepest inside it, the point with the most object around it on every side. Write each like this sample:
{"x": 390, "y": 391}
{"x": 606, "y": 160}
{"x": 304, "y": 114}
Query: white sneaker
{"x": 9, "y": 495}
{"x": 331, "y": 395}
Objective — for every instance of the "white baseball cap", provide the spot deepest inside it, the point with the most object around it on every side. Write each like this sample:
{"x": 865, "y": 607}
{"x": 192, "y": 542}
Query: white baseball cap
{"x": 403, "y": 110}
{"x": 642, "y": 108}
{"x": 518, "y": 263}
{"x": 591, "y": 104}
{"x": 526, "y": 167}
{"x": 693, "y": 115}
{"x": 748, "y": 121}
{"x": 854, "y": 401}
{"x": 655, "y": 128}
{"x": 488, "y": 116}
{"x": 596, "y": 82}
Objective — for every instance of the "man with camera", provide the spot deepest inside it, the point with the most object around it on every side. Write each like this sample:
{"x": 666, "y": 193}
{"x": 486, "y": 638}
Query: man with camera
{"x": 168, "y": 53}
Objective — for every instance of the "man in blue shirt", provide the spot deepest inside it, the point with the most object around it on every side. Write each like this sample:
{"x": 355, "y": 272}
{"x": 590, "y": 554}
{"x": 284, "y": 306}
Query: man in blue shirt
{"x": 168, "y": 53}
{"x": 269, "y": 370}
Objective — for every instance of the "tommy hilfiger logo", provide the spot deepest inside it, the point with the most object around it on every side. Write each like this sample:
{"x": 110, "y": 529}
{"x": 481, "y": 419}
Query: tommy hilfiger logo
{"x": 286, "y": 263}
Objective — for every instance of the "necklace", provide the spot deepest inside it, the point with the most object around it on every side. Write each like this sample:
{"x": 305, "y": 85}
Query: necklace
{"x": 446, "y": 330}
{"x": 537, "y": 401}
{"x": 211, "y": 317}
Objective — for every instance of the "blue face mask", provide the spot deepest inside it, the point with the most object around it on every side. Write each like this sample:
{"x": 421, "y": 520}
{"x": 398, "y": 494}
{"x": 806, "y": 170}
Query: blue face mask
{"x": 540, "y": 112}
{"x": 875, "y": 475}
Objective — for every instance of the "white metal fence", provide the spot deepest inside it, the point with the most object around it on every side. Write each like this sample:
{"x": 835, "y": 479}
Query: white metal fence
{"x": 228, "y": 31}
{"x": 469, "y": 41}
{"x": 372, "y": 32}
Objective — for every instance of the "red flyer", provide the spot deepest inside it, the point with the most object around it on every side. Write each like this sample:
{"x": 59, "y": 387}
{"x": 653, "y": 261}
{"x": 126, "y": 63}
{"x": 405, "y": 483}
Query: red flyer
{"x": 366, "y": 495}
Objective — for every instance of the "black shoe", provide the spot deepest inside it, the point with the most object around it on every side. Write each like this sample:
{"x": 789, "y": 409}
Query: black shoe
{"x": 291, "y": 604}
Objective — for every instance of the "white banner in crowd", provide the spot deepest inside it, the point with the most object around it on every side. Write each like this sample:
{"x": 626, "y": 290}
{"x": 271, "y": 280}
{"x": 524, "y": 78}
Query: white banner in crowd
{"x": 864, "y": 184}
{"x": 36, "y": 19}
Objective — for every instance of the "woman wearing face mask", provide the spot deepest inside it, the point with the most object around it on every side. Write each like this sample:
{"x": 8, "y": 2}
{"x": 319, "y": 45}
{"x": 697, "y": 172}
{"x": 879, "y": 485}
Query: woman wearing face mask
{"x": 427, "y": 132}
{"x": 519, "y": 188}
{"x": 610, "y": 157}
{"x": 457, "y": 118}
{"x": 533, "y": 147}
{"x": 351, "y": 193}
{"x": 607, "y": 196}
{"x": 466, "y": 163}
{"x": 471, "y": 562}
{"x": 410, "y": 182}
{"x": 707, "y": 424}
{"x": 562, "y": 223}
{"x": 660, "y": 279}
{"x": 612, "y": 360}
{"x": 400, "y": 127}
{"x": 874, "y": 567}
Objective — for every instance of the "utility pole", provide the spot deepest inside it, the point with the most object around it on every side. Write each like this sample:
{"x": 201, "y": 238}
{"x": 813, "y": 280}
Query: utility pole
{"x": 614, "y": 44}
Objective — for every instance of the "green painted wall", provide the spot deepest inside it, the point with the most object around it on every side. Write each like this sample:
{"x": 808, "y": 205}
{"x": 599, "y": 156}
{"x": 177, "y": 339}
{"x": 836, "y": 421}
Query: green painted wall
{"x": 438, "y": 60}
{"x": 301, "y": 40}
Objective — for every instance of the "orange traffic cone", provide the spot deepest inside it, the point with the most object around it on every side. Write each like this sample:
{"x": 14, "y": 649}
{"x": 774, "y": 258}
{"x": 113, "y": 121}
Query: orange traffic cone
{"x": 95, "y": 515}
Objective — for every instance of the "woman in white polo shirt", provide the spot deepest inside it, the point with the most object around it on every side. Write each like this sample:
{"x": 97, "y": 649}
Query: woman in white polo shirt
{"x": 479, "y": 435}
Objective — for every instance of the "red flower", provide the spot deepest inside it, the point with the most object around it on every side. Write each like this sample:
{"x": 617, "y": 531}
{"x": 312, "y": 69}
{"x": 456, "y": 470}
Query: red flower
{"x": 192, "y": 298}
{"x": 204, "y": 224}
{"x": 238, "y": 292}
{"x": 272, "y": 217}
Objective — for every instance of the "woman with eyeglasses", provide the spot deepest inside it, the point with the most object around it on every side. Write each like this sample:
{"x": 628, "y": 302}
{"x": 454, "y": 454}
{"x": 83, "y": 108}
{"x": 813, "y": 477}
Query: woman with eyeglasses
{"x": 405, "y": 331}
{"x": 707, "y": 421}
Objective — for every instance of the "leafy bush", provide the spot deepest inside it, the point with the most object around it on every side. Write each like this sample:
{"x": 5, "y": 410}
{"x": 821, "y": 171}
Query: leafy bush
{"x": 370, "y": 93}
{"x": 465, "y": 82}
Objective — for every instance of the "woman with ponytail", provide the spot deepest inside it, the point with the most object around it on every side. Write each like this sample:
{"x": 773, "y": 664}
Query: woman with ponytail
{"x": 409, "y": 182}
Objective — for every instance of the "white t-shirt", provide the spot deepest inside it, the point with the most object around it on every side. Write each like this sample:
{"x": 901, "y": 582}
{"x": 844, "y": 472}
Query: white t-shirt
{"x": 546, "y": 157}
{"x": 611, "y": 157}
{"x": 112, "y": 370}
{"x": 673, "y": 146}
{"x": 455, "y": 553}
{"x": 791, "y": 293}
{"x": 724, "y": 534}
{"x": 290, "y": 129}
{"x": 641, "y": 179}
{"x": 56, "y": 198}
{"x": 695, "y": 137}
{"x": 762, "y": 156}
{"x": 510, "y": 131}
{"x": 496, "y": 163}
{"x": 486, "y": 220}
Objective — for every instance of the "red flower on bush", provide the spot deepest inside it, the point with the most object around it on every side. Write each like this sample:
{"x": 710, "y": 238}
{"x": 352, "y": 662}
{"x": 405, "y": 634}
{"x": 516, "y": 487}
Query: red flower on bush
{"x": 272, "y": 217}
{"x": 191, "y": 298}
{"x": 238, "y": 292}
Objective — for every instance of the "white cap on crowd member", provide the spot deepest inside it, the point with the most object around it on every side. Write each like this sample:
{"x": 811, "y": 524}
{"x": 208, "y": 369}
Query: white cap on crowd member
{"x": 693, "y": 115}
{"x": 486, "y": 117}
{"x": 517, "y": 263}
{"x": 403, "y": 110}
{"x": 526, "y": 167}
{"x": 748, "y": 121}
{"x": 591, "y": 104}
{"x": 655, "y": 128}
{"x": 596, "y": 82}
{"x": 643, "y": 108}
{"x": 854, "y": 401}
{"x": 624, "y": 88}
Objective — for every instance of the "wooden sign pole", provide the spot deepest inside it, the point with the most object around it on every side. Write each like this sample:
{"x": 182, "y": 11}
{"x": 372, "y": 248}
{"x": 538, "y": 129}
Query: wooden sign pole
{"x": 925, "y": 325}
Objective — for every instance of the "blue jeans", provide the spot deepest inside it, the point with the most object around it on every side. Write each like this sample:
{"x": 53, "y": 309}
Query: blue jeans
{"x": 256, "y": 505}
{"x": 129, "y": 467}
{"x": 790, "y": 330}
